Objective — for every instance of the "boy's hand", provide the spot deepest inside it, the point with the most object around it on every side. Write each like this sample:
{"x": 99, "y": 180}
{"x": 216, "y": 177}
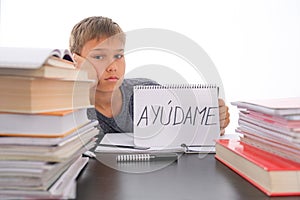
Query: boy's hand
{"x": 85, "y": 65}
{"x": 224, "y": 116}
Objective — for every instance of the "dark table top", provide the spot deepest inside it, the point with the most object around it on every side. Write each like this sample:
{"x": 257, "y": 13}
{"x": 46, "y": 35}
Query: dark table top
{"x": 193, "y": 176}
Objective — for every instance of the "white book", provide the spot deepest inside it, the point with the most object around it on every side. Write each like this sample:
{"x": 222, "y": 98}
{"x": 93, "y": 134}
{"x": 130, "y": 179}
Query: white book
{"x": 50, "y": 124}
{"x": 63, "y": 188}
{"x": 266, "y": 126}
{"x": 124, "y": 143}
{"x": 33, "y": 178}
{"x": 48, "y": 141}
{"x": 49, "y": 153}
{"x": 253, "y": 128}
{"x": 113, "y": 142}
{"x": 31, "y": 58}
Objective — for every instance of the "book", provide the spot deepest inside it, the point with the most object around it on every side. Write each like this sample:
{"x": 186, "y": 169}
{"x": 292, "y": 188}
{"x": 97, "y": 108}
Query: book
{"x": 47, "y": 71}
{"x": 257, "y": 130}
{"x": 49, "y": 124}
{"x": 263, "y": 130}
{"x": 63, "y": 188}
{"x": 31, "y": 175}
{"x": 124, "y": 143}
{"x": 281, "y": 106}
{"x": 281, "y": 148}
{"x": 167, "y": 116}
{"x": 34, "y": 58}
{"x": 278, "y": 120}
{"x": 57, "y": 153}
{"x": 248, "y": 120}
{"x": 39, "y": 62}
{"x": 36, "y": 95}
{"x": 28, "y": 139}
{"x": 69, "y": 192}
{"x": 272, "y": 174}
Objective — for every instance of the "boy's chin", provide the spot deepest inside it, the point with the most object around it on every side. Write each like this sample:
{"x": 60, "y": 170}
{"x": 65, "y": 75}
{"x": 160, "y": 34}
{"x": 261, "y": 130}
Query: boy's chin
{"x": 109, "y": 88}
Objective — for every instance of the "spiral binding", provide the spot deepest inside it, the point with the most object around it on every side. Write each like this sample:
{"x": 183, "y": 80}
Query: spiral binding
{"x": 133, "y": 157}
{"x": 176, "y": 86}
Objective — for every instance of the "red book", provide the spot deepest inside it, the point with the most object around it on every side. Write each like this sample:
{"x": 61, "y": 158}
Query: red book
{"x": 272, "y": 174}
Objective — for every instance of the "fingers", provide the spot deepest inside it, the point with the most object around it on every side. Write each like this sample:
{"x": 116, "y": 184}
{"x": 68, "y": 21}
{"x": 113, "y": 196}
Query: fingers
{"x": 224, "y": 112}
{"x": 222, "y": 132}
{"x": 223, "y": 115}
{"x": 221, "y": 102}
{"x": 223, "y": 125}
{"x": 224, "y": 122}
{"x": 78, "y": 60}
{"x": 84, "y": 65}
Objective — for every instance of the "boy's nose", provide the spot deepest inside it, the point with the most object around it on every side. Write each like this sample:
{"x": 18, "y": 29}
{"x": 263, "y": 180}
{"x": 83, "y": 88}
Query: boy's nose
{"x": 112, "y": 67}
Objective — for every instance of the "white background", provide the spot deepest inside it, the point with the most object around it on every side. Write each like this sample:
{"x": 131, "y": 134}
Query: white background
{"x": 254, "y": 44}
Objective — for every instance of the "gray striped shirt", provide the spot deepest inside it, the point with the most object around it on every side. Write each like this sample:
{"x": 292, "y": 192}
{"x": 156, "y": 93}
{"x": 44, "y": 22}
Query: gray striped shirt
{"x": 123, "y": 122}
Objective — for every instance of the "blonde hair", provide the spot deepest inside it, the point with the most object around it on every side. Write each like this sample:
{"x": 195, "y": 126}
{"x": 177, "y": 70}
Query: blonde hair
{"x": 93, "y": 28}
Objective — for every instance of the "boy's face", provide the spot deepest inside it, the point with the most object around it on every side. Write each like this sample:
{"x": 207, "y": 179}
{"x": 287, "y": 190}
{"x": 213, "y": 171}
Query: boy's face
{"x": 107, "y": 57}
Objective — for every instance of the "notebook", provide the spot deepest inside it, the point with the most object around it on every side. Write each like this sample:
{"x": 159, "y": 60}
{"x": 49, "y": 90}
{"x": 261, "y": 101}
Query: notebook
{"x": 169, "y": 116}
{"x": 123, "y": 143}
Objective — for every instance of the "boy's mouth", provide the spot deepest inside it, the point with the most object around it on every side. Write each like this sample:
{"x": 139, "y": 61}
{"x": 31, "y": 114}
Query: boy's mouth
{"x": 112, "y": 78}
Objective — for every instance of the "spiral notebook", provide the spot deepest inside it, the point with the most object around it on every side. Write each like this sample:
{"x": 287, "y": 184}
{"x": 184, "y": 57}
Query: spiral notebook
{"x": 174, "y": 115}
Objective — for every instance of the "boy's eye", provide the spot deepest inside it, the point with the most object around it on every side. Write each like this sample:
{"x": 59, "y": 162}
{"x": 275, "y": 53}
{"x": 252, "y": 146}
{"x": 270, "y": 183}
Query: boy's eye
{"x": 119, "y": 56}
{"x": 98, "y": 57}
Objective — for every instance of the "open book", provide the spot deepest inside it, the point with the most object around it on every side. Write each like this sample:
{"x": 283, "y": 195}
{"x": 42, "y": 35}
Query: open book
{"x": 124, "y": 143}
{"x": 32, "y": 58}
{"x": 39, "y": 62}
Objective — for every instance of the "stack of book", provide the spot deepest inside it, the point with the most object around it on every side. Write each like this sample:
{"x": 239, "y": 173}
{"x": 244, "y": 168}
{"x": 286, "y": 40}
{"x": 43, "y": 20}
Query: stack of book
{"x": 44, "y": 127}
{"x": 268, "y": 152}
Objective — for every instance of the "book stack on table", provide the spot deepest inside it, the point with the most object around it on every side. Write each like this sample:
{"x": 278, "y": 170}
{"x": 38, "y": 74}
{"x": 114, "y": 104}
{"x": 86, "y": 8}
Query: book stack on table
{"x": 44, "y": 127}
{"x": 268, "y": 153}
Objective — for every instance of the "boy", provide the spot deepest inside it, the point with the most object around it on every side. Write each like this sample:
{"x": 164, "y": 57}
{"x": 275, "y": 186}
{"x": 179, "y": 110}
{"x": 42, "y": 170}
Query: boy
{"x": 100, "y": 42}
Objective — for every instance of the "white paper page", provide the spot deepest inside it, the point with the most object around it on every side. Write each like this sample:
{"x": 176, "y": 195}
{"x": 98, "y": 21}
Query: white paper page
{"x": 30, "y": 58}
{"x": 172, "y": 115}
{"x": 127, "y": 139}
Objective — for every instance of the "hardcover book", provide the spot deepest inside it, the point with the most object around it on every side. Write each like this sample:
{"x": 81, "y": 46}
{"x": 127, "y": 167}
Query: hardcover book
{"x": 272, "y": 174}
{"x": 36, "y": 95}
{"x": 50, "y": 124}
